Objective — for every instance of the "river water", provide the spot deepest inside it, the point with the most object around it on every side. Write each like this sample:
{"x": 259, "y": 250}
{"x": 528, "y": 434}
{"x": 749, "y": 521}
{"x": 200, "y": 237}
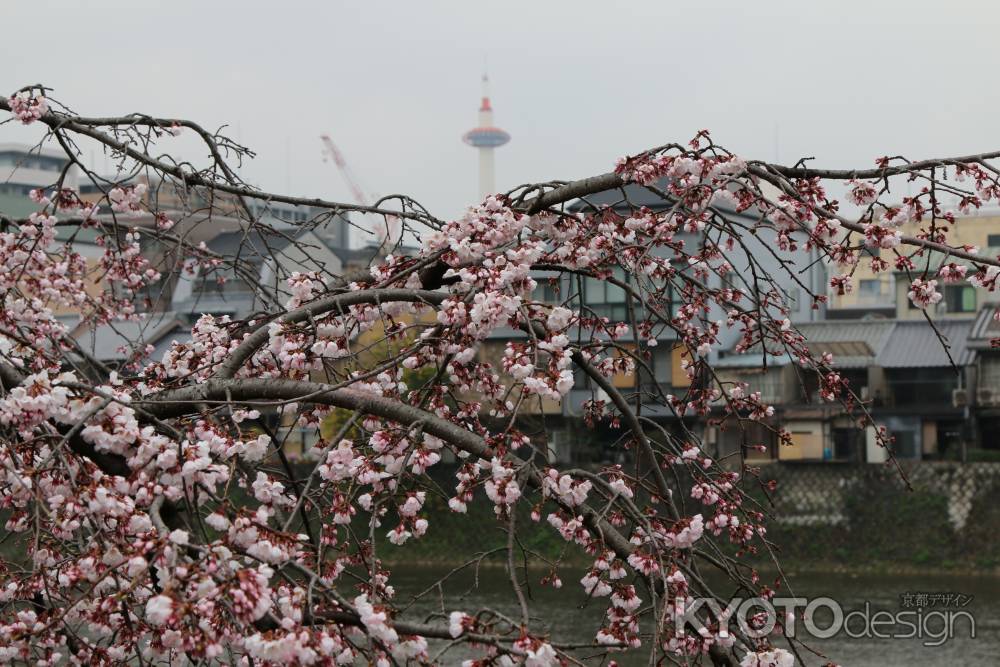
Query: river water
{"x": 567, "y": 615}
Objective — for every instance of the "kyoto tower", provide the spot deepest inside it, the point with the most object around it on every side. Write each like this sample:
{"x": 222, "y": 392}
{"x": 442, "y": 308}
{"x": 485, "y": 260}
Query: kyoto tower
{"x": 485, "y": 138}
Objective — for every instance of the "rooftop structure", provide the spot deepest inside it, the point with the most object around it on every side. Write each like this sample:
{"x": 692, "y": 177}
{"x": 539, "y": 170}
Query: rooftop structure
{"x": 24, "y": 168}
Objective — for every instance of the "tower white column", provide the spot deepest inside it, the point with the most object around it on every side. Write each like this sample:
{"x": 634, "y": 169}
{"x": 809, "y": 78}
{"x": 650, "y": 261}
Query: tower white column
{"x": 487, "y": 176}
{"x": 487, "y": 167}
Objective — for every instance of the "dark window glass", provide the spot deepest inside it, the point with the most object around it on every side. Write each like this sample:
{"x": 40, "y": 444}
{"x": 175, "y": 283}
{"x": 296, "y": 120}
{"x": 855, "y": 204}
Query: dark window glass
{"x": 546, "y": 292}
{"x": 960, "y": 298}
{"x": 594, "y": 292}
{"x": 905, "y": 445}
{"x": 847, "y": 444}
{"x": 921, "y": 386}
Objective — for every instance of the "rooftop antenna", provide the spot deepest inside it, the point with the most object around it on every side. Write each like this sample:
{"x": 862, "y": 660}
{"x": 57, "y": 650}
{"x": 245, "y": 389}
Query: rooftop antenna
{"x": 239, "y": 140}
{"x": 288, "y": 165}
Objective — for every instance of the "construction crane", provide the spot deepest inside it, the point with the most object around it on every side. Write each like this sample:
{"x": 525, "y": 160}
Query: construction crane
{"x": 330, "y": 151}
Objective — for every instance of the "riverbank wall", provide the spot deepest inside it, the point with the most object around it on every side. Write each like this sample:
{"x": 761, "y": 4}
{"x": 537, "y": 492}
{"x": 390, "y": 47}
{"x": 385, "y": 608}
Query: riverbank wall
{"x": 922, "y": 517}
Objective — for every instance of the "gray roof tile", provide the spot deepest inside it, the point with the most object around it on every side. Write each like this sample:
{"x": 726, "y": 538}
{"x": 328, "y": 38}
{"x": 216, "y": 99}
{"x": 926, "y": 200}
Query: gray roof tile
{"x": 917, "y": 344}
{"x": 106, "y": 340}
{"x": 885, "y": 343}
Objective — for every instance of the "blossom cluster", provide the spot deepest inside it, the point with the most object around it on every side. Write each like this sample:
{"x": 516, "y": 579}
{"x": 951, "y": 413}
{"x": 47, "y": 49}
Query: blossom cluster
{"x": 28, "y": 108}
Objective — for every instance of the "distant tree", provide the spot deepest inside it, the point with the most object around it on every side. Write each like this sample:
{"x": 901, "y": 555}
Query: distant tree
{"x": 148, "y": 520}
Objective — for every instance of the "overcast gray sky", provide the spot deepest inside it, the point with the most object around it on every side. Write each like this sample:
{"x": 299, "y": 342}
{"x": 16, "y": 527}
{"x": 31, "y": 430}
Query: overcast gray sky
{"x": 575, "y": 83}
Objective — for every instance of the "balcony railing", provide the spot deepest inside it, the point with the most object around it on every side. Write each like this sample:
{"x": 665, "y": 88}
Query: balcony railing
{"x": 863, "y": 301}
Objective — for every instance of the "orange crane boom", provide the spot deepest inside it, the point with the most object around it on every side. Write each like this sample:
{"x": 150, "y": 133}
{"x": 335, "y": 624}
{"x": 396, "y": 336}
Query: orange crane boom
{"x": 330, "y": 151}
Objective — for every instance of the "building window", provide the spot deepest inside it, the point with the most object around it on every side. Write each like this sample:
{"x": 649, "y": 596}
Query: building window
{"x": 993, "y": 240}
{"x": 792, "y": 296}
{"x": 547, "y": 291}
{"x": 768, "y": 383}
{"x": 153, "y": 293}
{"x": 603, "y": 298}
{"x": 989, "y": 372}
{"x": 657, "y": 369}
{"x": 30, "y": 161}
{"x": 847, "y": 444}
{"x": 662, "y": 364}
{"x": 606, "y": 299}
{"x": 921, "y": 386}
{"x": 599, "y": 292}
{"x": 870, "y": 287}
{"x": 905, "y": 445}
{"x": 223, "y": 281}
{"x": 960, "y": 298}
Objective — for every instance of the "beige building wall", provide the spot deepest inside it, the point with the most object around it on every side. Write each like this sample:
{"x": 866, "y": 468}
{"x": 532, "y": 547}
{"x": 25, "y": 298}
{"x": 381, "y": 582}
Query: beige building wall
{"x": 873, "y": 290}
{"x": 93, "y": 283}
{"x": 878, "y": 386}
{"x": 806, "y": 441}
{"x": 929, "y": 440}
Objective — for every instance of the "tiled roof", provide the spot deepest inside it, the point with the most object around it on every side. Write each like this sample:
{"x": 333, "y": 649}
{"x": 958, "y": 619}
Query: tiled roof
{"x": 853, "y": 344}
{"x": 885, "y": 343}
{"x": 869, "y": 336}
{"x": 984, "y": 328}
{"x": 917, "y": 344}
{"x": 633, "y": 195}
{"x": 247, "y": 244}
{"x": 622, "y": 198}
{"x": 105, "y": 341}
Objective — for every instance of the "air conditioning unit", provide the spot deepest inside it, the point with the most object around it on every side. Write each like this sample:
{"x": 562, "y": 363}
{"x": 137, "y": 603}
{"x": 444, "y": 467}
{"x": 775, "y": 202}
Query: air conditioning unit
{"x": 986, "y": 397}
{"x": 959, "y": 398}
